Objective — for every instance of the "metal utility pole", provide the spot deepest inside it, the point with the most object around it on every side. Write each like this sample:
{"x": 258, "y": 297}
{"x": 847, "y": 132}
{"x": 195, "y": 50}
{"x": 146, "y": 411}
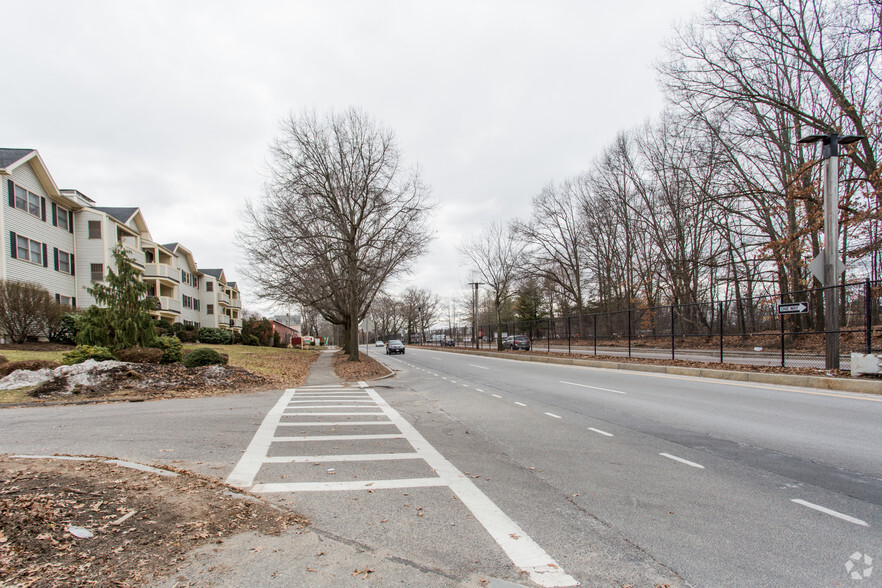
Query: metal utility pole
{"x": 832, "y": 266}
{"x": 475, "y": 313}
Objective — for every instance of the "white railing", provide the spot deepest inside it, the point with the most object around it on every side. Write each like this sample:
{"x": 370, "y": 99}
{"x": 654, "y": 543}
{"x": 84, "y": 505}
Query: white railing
{"x": 161, "y": 270}
{"x": 137, "y": 255}
{"x": 170, "y": 304}
{"x": 223, "y": 298}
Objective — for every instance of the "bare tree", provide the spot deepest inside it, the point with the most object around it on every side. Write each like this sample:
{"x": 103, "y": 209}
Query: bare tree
{"x": 421, "y": 310}
{"x": 339, "y": 218}
{"x": 24, "y": 310}
{"x": 496, "y": 257}
{"x": 387, "y": 315}
{"x": 556, "y": 235}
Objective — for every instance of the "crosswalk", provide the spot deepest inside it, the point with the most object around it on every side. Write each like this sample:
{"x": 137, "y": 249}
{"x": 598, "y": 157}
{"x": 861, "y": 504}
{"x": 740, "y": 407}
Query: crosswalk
{"x": 346, "y": 425}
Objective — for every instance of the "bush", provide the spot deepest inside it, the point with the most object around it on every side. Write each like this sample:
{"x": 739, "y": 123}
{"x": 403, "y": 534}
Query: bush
{"x": 140, "y": 354}
{"x": 250, "y": 340}
{"x": 186, "y": 333}
{"x": 3, "y": 359}
{"x": 163, "y": 328}
{"x": 66, "y": 330}
{"x": 31, "y": 365}
{"x": 84, "y": 352}
{"x": 213, "y": 336}
{"x": 203, "y": 356}
{"x": 172, "y": 350}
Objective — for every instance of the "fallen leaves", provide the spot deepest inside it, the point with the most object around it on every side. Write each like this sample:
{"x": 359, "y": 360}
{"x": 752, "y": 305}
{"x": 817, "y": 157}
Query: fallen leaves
{"x": 363, "y": 573}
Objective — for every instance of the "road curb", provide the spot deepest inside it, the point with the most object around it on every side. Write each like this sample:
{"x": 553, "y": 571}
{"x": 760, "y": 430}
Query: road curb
{"x": 817, "y": 382}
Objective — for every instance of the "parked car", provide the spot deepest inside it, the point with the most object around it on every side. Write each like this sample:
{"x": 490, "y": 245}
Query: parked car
{"x": 394, "y": 346}
{"x": 448, "y": 342}
{"x": 516, "y": 342}
{"x": 380, "y": 343}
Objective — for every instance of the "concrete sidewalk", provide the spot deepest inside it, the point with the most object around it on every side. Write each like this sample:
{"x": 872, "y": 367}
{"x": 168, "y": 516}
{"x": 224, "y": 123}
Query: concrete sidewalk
{"x": 321, "y": 372}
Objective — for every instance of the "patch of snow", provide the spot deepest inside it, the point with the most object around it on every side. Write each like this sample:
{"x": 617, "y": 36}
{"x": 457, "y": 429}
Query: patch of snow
{"x": 77, "y": 374}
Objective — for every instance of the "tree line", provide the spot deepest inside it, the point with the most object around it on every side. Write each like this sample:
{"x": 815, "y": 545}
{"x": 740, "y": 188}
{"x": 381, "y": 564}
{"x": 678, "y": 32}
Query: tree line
{"x": 713, "y": 198}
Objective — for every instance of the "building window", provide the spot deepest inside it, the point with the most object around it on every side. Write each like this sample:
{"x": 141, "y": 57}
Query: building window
{"x": 61, "y": 218}
{"x": 209, "y": 286}
{"x": 63, "y": 300}
{"x": 94, "y": 229}
{"x": 97, "y": 272}
{"x": 27, "y": 201}
{"x": 28, "y": 250}
{"x": 64, "y": 262}
{"x": 209, "y": 309}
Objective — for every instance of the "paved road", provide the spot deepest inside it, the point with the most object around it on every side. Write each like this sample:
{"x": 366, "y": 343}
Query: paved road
{"x": 724, "y": 483}
{"x": 614, "y": 478}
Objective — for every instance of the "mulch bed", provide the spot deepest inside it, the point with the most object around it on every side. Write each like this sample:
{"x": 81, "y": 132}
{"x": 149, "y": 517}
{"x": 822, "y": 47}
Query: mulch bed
{"x": 367, "y": 368}
{"x": 141, "y": 523}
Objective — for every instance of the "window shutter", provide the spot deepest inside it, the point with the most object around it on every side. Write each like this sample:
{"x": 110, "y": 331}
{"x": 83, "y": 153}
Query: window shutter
{"x": 73, "y": 303}
{"x": 11, "y": 187}
{"x": 55, "y": 252}
{"x": 14, "y": 250}
{"x": 57, "y": 296}
{"x": 70, "y": 221}
{"x": 43, "y": 208}
{"x": 73, "y": 266}
{"x": 54, "y": 215}
{"x": 45, "y": 256}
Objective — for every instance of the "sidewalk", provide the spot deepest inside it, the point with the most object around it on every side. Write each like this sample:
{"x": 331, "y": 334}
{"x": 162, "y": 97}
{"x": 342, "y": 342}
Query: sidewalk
{"x": 321, "y": 372}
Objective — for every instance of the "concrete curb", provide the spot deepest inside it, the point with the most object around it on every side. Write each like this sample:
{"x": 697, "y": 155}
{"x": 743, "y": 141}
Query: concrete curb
{"x": 817, "y": 382}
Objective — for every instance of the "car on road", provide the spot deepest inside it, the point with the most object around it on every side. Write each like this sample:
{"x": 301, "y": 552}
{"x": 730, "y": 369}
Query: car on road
{"x": 516, "y": 342}
{"x": 380, "y": 344}
{"x": 394, "y": 346}
{"x": 448, "y": 342}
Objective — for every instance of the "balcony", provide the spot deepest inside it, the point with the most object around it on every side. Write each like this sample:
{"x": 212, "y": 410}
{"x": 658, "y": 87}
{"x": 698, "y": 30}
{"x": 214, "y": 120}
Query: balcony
{"x": 235, "y": 302}
{"x": 137, "y": 256}
{"x": 223, "y": 298}
{"x": 163, "y": 271}
{"x": 168, "y": 305}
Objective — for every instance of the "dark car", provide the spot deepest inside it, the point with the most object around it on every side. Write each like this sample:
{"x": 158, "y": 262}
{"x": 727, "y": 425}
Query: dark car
{"x": 448, "y": 342}
{"x": 394, "y": 346}
{"x": 516, "y": 342}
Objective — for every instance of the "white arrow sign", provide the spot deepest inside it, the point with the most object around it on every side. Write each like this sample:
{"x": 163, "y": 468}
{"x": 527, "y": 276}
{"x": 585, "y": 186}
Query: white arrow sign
{"x": 793, "y": 308}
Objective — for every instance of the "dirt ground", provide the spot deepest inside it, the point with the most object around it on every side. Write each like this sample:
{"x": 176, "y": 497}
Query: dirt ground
{"x": 96, "y": 523}
{"x": 367, "y": 368}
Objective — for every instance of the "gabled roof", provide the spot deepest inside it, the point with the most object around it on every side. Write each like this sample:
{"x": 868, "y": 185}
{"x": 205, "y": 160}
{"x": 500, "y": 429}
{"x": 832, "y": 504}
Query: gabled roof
{"x": 10, "y": 159}
{"x": 123, "y": 215}
{"x": 10, "y": 156}
{"x": 214, "y": 273}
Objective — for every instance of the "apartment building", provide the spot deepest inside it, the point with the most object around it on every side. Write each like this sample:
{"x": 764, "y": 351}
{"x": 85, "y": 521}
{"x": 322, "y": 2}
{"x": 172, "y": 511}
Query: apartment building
{"x": 63, "y": 241}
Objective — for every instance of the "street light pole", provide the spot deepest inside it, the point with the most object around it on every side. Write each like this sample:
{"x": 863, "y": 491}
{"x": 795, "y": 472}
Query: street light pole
{"x": 830, "y": 154}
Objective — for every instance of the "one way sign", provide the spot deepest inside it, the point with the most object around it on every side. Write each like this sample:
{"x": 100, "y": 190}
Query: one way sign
{"x": 793, "y": 308}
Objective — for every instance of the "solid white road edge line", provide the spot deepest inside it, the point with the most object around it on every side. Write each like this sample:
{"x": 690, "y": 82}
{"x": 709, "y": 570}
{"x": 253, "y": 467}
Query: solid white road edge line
{"x": 600, "y": 432}
{"x": 833, "y": 513}
{"x": 520, "y": 548}
{"x": 681, "y": 460}
{"x": 250, "y": 462}
{"x": 592, "y": 387}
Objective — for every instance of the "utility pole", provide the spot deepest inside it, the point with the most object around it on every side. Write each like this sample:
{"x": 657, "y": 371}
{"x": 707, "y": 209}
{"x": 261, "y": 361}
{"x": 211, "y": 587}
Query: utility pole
{"x": 832, "y": 266}
{"x": 475, "y": 313}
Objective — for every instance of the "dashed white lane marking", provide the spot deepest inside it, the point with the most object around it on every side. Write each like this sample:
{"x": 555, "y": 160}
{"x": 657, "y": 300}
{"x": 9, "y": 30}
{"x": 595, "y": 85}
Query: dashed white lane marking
{"x": 598, "y": 431}
{"x": 592, "y": 387}
{"x": 830, "y": 512}
{"x": 466, "y": 386}
{"x": 520, "y": 404}
{"x": 493, "y": 395}
{"x": 482, "y": 367}
{"x": 525, "y": 553}
{"x": 681, "y": 460}
{"x": 554, "y": 416}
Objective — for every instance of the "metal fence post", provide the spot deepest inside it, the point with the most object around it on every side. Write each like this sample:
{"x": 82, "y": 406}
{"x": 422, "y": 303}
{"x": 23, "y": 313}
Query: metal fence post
{"x": 595, "y": 334}
{"x": 629, "y": 332}
{"x": 869, "y": 310}
{"x": 548, "y": 338}
{"x": 569, "y": 337}
{"x": 672, "y": 332}
{"x": 782, "y": 339}
{"x": 721, "y": 332}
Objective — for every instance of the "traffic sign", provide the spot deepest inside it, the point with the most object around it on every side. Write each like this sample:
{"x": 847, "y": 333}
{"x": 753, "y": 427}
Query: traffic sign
{"x": 793, "y": 308}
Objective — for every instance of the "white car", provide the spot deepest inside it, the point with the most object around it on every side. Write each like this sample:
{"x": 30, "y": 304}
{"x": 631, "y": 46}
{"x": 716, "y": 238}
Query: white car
{"x": 380, "y": 344}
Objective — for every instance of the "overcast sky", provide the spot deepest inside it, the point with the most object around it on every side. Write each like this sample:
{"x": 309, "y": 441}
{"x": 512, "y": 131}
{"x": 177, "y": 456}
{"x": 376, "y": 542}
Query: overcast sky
{"x": 171, "y": 105}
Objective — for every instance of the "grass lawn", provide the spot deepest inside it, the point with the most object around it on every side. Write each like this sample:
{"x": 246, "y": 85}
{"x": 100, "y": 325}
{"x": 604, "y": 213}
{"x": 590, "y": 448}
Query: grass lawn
{"x": 287, "y": 366}
{"x": 21, "y": 355}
